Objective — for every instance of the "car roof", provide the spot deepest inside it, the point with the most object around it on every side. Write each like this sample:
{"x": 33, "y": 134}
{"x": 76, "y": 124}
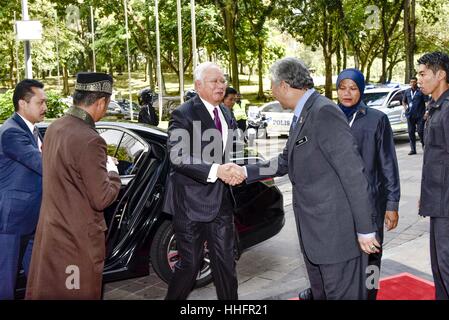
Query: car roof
{"x": 127, "y": 125}
{"x": 386, "y": 88}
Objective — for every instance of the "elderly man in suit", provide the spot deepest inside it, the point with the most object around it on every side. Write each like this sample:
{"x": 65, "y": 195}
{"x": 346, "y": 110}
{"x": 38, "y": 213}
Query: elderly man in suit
{"x": 20, "y": 182}
{"x": 331, "y": 199}
{"x": 198, "y": 197}
{"x": 79, "y": 182}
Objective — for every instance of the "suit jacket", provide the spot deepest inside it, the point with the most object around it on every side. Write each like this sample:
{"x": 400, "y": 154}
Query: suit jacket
{"x": 76, "y": 190}
{"x": 372, "y": 132}
{"x": 191, "y": 158}
{"x": 416, "y": 106}
{"x": 331, "y": 198}
{"x": 20, "y": 178}
{"x": 435, "y": 171}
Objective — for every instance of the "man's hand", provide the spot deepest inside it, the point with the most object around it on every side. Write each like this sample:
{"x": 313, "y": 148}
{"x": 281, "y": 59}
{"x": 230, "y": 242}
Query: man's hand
{"x": 369, "y": 244}
{"x": 231, "y": 174}
{"x": 391, "y": 219}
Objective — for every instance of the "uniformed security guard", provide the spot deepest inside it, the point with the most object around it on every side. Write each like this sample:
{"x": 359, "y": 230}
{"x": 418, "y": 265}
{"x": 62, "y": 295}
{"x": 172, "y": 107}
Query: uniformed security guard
{"x": 433, "y": 75}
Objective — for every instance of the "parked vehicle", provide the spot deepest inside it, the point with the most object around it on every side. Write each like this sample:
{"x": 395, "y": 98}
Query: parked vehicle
{"x": 140, "y": 234}
{"x": 257, "y": 128}
{"x": 388, "y": 99}
{"x": 278, "y": 119}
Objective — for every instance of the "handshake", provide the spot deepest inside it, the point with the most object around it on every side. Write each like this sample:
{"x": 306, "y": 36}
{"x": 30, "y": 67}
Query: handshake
{"x": 231, "y": 174}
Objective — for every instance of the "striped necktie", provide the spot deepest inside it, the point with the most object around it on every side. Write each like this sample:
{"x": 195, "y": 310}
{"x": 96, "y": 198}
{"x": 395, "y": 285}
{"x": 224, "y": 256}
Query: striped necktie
{"x": 36, "y": 135}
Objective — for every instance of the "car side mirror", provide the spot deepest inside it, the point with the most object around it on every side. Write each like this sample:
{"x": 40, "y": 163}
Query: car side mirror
{"x": 394, "y": 104}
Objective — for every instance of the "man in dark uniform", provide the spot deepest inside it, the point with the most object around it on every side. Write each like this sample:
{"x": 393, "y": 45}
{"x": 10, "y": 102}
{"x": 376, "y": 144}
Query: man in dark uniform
{"x": 433, "y": 75}
{"x": 147, "y": 114}
{"x": 415, "y": 107}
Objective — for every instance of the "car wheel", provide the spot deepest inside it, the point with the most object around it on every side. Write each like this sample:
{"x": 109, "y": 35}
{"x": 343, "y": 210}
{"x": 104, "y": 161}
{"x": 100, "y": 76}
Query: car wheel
{"x": 164, "y": 256}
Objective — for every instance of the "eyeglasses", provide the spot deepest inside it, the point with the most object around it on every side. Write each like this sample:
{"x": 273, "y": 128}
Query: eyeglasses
{"x": 218, "y": 81}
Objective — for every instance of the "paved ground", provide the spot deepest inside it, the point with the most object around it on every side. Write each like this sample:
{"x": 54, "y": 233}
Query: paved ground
{"x": 275, "y": 269}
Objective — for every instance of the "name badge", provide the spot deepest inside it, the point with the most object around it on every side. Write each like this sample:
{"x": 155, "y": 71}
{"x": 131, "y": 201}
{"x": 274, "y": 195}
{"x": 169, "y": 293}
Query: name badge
{"x": 301, "y": 141}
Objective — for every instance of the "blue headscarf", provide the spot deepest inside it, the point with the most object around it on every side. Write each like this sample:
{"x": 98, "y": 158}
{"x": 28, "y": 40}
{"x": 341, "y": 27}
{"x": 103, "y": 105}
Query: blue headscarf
{"x": 356, "y": 76}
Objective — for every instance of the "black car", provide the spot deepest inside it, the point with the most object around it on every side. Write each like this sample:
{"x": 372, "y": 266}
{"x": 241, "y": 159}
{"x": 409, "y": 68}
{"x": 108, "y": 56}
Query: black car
{"x": 140, "y": 234}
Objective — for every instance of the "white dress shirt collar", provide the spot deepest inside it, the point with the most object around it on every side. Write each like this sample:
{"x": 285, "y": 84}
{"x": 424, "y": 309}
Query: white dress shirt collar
{"x": 28, "y": 123}
{"x": 31, "y": 127}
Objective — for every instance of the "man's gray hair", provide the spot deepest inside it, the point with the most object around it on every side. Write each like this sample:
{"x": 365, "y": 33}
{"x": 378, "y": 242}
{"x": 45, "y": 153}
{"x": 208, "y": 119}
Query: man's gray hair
{"x": 293, "y": 71}
{"x": 201, "y": 68}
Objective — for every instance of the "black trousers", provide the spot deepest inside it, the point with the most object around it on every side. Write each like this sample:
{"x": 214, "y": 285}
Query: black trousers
{"x": 190, "y": 238}
{"x": 415, "y": 124}
{"x": 439, "y": 256}
{"x": 339, "y": 281}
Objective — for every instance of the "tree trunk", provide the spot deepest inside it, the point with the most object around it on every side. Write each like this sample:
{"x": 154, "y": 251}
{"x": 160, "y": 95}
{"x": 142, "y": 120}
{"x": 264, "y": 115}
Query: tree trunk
{"x": 338, "y": 55}
{"x": 345, "y": 56}
{"x": 65, "y": 80}
{"x": 260, "y": 45}
{"x": 163, "y": 89}
{"x": 150, "y": 72}
{"x": 229, "y": 16}
{"x": 328, "y": 68}
{"x": 368, "y": 69}
{"x": 12, "y": 75}
{"x": 410, "y": 38}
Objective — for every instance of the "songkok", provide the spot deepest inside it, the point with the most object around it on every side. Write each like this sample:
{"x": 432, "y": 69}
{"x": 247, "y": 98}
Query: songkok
{"x": 94, "y": 82}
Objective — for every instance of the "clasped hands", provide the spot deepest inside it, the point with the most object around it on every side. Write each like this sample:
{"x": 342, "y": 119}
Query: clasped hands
{"x": 231, "y": 174}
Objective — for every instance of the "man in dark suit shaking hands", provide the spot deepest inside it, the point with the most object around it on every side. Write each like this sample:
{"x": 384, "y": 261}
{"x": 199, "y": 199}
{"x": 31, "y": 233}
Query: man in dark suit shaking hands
{"x": 198, "y": 195}
{"x": 20, "y": 182}
{"x": 331, "y": 198}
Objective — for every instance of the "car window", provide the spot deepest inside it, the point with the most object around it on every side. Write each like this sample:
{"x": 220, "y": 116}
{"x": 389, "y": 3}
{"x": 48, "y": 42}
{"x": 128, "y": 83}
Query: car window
{"x": 124, "y": 147}
{"x": 398, "y": 96}
{"x": 113, "y": 104}
{"x": 273, "y": 107}
{"x": 374, "y": 98}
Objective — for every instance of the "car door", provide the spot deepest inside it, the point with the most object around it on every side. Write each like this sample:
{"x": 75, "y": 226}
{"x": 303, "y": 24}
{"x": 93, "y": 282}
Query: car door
{"x": 139, "y": 169}
{"x": 396, "y": 113}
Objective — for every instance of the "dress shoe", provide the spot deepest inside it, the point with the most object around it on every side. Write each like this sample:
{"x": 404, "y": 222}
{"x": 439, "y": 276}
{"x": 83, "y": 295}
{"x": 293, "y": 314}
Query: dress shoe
{"x": 411, "y": 152}
{"x": 306, "y": 294}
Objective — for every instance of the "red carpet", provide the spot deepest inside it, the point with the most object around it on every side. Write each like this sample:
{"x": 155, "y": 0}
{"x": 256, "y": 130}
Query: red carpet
{"x": 404, "y": 286}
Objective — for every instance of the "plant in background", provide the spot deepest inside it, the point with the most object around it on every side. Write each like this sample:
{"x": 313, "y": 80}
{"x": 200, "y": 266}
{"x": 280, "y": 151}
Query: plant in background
{"x": 55, "y": 106}
{"x": 6, "y": 105}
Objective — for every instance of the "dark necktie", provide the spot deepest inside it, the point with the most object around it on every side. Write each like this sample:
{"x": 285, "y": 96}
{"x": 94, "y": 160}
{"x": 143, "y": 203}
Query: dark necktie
{"x": 217, "y": 120}
{"x": 36, "y": 135}
{"x": 294, "y": 120}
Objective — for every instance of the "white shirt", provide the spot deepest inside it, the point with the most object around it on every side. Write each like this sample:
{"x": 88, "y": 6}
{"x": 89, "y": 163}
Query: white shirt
{"x": 224, "y": 130}
{"x": 31, "y": 127}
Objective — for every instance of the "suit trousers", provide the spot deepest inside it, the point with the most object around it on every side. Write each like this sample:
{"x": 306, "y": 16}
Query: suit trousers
{"x": 15, "y": 251}
{"x": 340, "y": 281}
{"x": 439, "y": 256}
{"x": 413, "y": 125}
{"x": 190, "y": 238}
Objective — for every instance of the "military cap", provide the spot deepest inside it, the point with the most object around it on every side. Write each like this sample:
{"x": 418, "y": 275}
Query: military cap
{"x": 94, "y": 82}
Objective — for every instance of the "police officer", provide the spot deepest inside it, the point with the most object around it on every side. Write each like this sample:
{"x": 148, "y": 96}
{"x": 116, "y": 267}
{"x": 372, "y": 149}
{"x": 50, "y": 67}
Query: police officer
{"x": 433, "y": 75}
{"x": 147, "y": 114}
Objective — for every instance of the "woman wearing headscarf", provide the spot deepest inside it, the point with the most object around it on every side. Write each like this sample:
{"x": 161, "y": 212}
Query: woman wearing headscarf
{"x": 374, "y": 137}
